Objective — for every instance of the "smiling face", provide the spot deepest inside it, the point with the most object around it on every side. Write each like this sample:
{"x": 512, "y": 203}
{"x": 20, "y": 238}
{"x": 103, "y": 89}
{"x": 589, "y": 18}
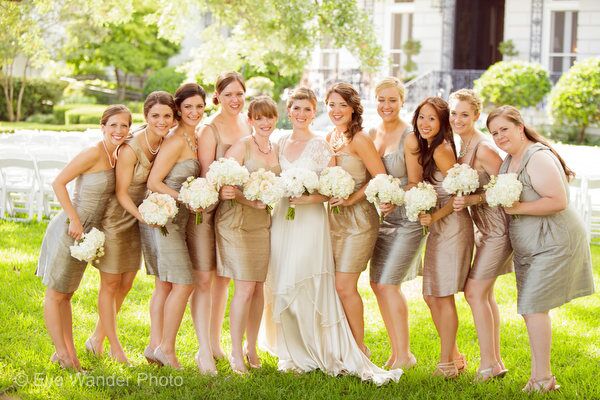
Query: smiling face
{"x": 192, "y": 110}
{"x": 116, "y": 129}
{"x": 232, "y": 98}
{"x": 428, "y": 123}
{"x": 301, "y": 113}
{"x": 507, "y": 135}
{"x": 339, "y": 111}
{"x": 462, "y": 117}
{"x": 263, "y": 126}
{"x": 160, "y": 119}
{"x": 388, "y": 104}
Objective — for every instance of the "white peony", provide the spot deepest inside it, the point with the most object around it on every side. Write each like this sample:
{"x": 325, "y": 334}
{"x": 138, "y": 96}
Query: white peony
{"x": 227, "y": 171}
{"x": 295, "y": 183}
{"x": 503, "y": 190}
{"x": 420, "y": 198}
{"x": 384, "y": 189}
{"x": 460, "y": 180}
{"x": 157, "y": 209}
{"x": 336, "y": 182}
{"x": 90, "y": 247}
{"x": 198, "y": 193}
{"x": 264, "y": 186}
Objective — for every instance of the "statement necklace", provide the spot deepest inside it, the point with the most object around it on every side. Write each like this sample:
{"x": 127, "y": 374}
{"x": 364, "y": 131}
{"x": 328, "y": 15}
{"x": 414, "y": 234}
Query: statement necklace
{"x": 193, "y": 145}
{"x": 338, "y": 140}
{"x": 258, "y": 146}
{"x": 110, "y": 159}
{"x": 150, "y": 149}
{"x": 464, "y": 148}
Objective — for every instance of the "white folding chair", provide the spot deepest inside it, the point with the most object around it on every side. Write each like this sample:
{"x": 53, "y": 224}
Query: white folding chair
{"x": 577, "y": 195}
{"x": 593, "y": 206}
{"x": 19, "y": 186}
{"x": 47, "y": 169}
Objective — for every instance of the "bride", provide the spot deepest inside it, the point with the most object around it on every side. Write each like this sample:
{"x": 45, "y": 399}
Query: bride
{"x": 305, "y": 325}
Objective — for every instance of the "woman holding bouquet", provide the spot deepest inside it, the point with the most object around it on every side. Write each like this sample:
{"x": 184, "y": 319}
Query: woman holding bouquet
{"x": 449, "y": 246}
{"x": 397, "y": 253}
{"x": 210, "y": 295}
{"x": 493, "y": 253}
{"x": 242, "y": 231}
{"x": 175, "y": 162}
{"x": 354, "y": 230}
{"x": 551, "y": 251}
{"x": 60, "y": 272}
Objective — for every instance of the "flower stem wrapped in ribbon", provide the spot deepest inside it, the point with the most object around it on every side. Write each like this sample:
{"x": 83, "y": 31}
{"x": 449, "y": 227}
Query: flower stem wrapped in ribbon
{"x": 296, "y": 182}
{"x": 198, "y": 193}
{"x": 157, "y": 209}
{"x": 336, "y": 182}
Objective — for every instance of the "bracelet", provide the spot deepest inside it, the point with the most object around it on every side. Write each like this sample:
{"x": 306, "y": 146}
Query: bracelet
{"x": 481, "y": 200}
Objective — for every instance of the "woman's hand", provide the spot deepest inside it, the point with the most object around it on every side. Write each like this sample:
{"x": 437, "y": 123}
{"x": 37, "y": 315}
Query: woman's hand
{"x": 337, "y": 202}
{"x": 460, "y": 203}
{"x": 425, "y": 219}
{"x": 514, "y": 209}
{"x": 227, "y": 192}
{"x": 386, "y": 208}
{"x": 304, "y": 199}
{"x": 75, "y": 229}
{"x": 259, "y": 204}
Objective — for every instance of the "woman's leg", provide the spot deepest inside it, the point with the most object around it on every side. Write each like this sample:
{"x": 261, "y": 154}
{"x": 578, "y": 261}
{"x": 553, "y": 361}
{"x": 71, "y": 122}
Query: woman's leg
{"x": 238, "y": 320}
{"x": 347, "y": 290}
{"x": 200, "y": 306}
{"x": 539, "y": 329}
{"x": 496, "y": 315}
{"x": 173, "y": 314}
{"x": 217, "y": 315}
{"x": 477, "y": 293}
{"x": 445, "y": 318}
{"x": 55, "y": 322}
{"x": 254, "y": 320}
{"x": 107, "y": 309}
{"x": 157, "y": 311}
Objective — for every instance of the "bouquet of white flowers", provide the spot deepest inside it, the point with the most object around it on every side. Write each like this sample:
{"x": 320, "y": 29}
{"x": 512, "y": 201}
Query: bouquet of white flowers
{"x": 157, "y": 208}
{"x": 460, "y": 180}
{"x": 227, "y": 171}
{"x": 336, "y": 182}
{"x": 420, "y": 198}
{"x": 503, "y": 190}
{"x": 295, "y": 183}
{"x": 90, "y": 247}
{"x": 198, "y": 193}
{"x": 264, "y": 186}
{"x": 384, "y": 189}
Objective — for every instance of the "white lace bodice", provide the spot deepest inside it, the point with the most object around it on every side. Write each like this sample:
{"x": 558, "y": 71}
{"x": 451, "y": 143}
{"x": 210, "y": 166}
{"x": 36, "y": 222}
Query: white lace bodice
{"x": 315, "y": 156}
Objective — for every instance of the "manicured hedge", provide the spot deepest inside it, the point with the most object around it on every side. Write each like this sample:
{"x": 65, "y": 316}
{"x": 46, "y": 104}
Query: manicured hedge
{"x": 39, "y": 97}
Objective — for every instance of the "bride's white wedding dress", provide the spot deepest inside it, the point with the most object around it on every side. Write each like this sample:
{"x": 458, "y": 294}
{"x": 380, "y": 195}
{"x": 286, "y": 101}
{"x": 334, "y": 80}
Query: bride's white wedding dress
{"x": 304, "y": 321}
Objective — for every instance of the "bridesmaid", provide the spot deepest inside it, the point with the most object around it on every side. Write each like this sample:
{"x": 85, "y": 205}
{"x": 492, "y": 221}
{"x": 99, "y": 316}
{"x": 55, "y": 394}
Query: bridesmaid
{"x": 175, "y": 162}
{"x": 493, "y": 253}
{"x": 123, "y": 248}
{"x": 449, "y": 246}
{"x": 95, "y": 184}
{"x": 354, "y": 229}
{"x": 551, "y": 251}
{"x": 243, "y": 235}
{"x": 214, "y": 139}
{"x": 398, "y": 247}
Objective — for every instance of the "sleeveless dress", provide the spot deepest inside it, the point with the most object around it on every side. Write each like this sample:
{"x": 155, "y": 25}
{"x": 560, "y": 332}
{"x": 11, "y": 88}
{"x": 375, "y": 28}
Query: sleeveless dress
{"x": 56, "y": 267}
{"x": 304, "y": 321}
{"x": 170, "y": 257}
{"x": 449, "y": 248}
{"x": 243, "y": 233}
{"x": 397, "y": 254}
{"x": 493, "y": 252}
{"x": 552, "y": 257}
{"x": 122, "y": 246}
{"x": 201, "y": 237}
{"x": 354, "y": 230}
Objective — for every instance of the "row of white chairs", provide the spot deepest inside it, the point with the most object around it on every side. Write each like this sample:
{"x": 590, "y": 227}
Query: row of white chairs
{"x": 585, "y": 196}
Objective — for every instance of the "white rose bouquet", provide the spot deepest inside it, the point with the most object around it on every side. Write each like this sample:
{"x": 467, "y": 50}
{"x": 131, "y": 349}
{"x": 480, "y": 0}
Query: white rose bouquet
{"x": 90, "y": 247}
{"x": 418, "y": 199}
{"x": 336, "y": 182}
{"x": 227, "y": 171}
{"x": 198, "y": 193}
{"x": 295, "y": 183}
{"x": 503, "y": 190}
{"x": 157, "y": 208}
{"x": 264, "y": 186}
{"x": 384, "y": 189}
{"x": 460, "y": 180}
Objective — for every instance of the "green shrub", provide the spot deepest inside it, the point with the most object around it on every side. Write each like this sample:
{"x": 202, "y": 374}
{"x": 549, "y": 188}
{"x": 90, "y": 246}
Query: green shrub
{"x": 517, "y": 83}
{"x": 59, "y": 111}
{"x": 575, "y": 100}
{"x": 91, "y": 114}
{"x": 258, "y": 85}
{"x": 41, "y": 119}
{"x": 166, "y": 79}
{"x": 39, "y": 97}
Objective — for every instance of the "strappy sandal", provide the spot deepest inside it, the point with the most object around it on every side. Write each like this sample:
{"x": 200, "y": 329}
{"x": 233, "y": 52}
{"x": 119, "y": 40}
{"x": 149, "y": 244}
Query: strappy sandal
{"x": 446, "y": 369}
{"x": 542, "y": 385}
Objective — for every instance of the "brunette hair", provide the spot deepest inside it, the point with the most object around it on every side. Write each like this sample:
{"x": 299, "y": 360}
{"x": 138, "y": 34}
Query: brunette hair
{"x": 302, "y": 93}
{"x": 114, "y": 110}
{"x": 186, "y": 91}
{"x": 262, "y": 106}
{"x": 470, "y": 97}
{"x": 514, "y": 116}
{"x": 159, "y": 97}
{"x": 426, "y": 150}
{"x": 351, "y": 97}
{"x": 224, "y": 80}
{"x": 391, "y": 82}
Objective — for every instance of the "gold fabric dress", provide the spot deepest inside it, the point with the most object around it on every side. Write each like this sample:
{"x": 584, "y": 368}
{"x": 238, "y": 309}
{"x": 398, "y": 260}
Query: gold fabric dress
{"x": 493, "y": 252}
{"x": 552, "y": 256}
{"x": 354, "y": 230}
{"x": 122, "y": 246}
{"x": 57, "y": 268}
{"x": 243, "y": 233}
{"x": 201, "y": 237}
{"x": 449, "y": 248}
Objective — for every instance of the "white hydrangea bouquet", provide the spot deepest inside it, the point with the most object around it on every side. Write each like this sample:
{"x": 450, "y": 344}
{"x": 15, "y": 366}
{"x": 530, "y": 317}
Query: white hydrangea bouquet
{"x": 336, "y": 182}
{"x": 90, "y": 247}
{"x": 295, "y": 183}
{"x": 264, "y": 186}
{"x": 227, "y": 172}
{"x": 460, "y": 180}
{"x": 198, "y": 193}
{"x": 384, "y": 189}
{"x": 503, "y": 190}
{"x": 157, "y": 209}
{"x": 418, "y": 199}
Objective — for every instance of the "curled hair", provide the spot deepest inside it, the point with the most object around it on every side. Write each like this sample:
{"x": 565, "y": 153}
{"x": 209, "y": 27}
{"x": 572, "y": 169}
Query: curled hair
{"x": 159, "y": 97}
{"x": 391, "y": 82}
{"x": 302, "y": 93}
{"x": 186, "y": 91}
{"x": 224, "y": 80}
{"x": 470, "y": 97}
{"x": 514, "y": 116}
{"x": 262, "y": 106}
{"x": 351, "y": 97}
{"x": 114, "y": 110}
{"x": 426, "y": 150}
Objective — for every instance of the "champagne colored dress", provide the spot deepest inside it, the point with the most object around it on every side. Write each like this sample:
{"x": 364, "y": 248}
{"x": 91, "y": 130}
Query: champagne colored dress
{"x": 201, "y": 237}
{"x": 243, "y": 233}
{"x": 56, "y": 267}
{"x": 449, "y": 248}
{"x": 397, "y": 254}
{"x": 552, "y": 257}
{"x": 123, "y": 246}
{"x": 354, "y": 230}
{"x": 171, "y": 257}
{"x": 493, "y": 252}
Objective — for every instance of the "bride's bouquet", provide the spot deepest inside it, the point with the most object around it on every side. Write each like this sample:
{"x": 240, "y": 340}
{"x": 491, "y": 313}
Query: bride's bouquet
{"x": 198, "y": 193}
{"x": 336, "y": 182}
{"x": 227, "y": 172}
{"x": 264, "y": 186}
{"x": 89, "y": 247}
{"x": 503, "y": 190}
{"x": 418, "y": 199}
{"x": 295, "y": 183}
{"x": 157, "y": 209}
{"x": 384, "y": 189}
{"x": 460, "y": 180}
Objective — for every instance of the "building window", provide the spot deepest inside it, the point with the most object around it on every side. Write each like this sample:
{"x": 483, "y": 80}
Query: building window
{"x": 563, "y": 40}
{"x": 402, "y": 26}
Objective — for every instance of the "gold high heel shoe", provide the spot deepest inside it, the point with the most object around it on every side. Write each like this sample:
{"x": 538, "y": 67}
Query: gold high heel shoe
{"x": 461, "y": 363}
{"x": 247, "y": 356}
{"x": 446, "y": 369}
{"x": 408, "y": 365}
{"x": 149, "y": 355}
{"x": 89, "y": 347}
{"x": 211, "y": 370}
{"x": 542, "y": 385}
{"x": 162, "y": 359}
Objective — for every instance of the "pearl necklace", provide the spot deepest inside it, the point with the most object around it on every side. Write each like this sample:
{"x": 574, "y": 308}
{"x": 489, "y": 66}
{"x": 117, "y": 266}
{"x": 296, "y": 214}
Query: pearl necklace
{"x": 110, "y": 160}
{"x": 193, "y": 146}
{"x": 258, "y": 146}
{"x": 150, "y": 149}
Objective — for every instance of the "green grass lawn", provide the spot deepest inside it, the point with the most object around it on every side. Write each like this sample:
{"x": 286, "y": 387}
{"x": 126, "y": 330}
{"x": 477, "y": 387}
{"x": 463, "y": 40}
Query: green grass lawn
{"x": 25, "y": 347}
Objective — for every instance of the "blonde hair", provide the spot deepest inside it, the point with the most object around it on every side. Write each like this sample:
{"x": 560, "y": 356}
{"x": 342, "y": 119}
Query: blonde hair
{"x": 470, "y": 97}
{"x": 391, "y": 82}
{"x": 262, "y": 106}
{"x": 114, "y": 110}
{"x": 302, "y": 93}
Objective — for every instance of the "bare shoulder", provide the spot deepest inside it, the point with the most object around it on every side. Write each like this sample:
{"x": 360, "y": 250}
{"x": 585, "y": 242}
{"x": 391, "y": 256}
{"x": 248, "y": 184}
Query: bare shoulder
{"x": 361, "y": 139}
{"x": 411, "y": 141}
{"x": 444, "y": 150}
